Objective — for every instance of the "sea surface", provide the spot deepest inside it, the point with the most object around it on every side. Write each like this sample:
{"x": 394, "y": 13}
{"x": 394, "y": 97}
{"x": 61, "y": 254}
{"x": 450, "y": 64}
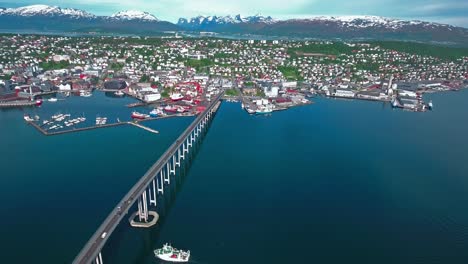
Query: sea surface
{"x": 337, "y": 181}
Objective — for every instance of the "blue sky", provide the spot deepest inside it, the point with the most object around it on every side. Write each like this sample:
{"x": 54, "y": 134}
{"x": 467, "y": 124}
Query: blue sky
{"x": 453, "y": 12}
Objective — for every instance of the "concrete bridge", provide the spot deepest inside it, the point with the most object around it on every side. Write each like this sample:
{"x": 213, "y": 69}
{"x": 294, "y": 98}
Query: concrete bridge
{"x": 145, "y": 191}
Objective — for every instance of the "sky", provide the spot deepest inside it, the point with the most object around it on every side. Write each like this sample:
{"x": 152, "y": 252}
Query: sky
{"x": 454, "y": 12}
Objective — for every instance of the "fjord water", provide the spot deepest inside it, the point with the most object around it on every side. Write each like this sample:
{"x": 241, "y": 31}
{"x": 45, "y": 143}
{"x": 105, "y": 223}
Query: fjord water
{"x": 336, "y": 181}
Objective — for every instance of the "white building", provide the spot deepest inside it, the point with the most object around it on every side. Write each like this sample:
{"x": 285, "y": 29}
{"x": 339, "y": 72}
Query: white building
{"x": 152, "y": 97}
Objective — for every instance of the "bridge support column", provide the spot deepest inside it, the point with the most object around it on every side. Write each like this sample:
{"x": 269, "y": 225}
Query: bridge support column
{"x": 143, "y": 208}
{"x": 161, "y": 182}
{"x": 98, "y": 259}
{"x": 153, "y": 192}
{"x": 189, "y": 142}
{"x": 143, "y": 214}
{"x": 183, "y": 150}
{"x": 178, "y": 157}
{"x": 173, "y": 167}
{"x": 168, "y": 176}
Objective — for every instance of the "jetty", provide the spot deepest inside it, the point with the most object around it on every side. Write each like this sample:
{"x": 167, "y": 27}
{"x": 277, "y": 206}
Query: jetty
{"x": 143, "y": 127}
{"x": 17, "y": 104}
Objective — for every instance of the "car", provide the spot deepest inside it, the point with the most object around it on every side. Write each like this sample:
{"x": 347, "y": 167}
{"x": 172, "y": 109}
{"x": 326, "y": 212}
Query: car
{"x": 104, "y": 234}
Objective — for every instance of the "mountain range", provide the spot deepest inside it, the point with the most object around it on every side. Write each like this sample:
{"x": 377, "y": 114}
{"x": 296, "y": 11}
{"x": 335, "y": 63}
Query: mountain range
{"x": 52, "y": 18}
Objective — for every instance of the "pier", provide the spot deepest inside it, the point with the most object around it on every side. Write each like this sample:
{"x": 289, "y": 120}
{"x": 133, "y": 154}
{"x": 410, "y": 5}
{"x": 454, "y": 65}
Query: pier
{"x": 143, "y": 127}
{"x": 146, "y": 190}
{"x": 17, "y": 104}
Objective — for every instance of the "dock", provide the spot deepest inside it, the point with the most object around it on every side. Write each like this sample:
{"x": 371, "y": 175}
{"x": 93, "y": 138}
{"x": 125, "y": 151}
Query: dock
{"x": 143, "y": 127}
{"x": 17, "y": 104}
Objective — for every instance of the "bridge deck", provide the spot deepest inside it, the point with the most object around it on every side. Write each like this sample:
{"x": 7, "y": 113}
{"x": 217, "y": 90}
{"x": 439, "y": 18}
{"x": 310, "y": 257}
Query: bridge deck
{"x": 98, "y": 240}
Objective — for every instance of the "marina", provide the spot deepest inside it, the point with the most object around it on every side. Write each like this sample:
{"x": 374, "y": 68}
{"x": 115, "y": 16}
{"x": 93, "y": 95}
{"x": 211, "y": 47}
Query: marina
{"x": 46, "y": 132}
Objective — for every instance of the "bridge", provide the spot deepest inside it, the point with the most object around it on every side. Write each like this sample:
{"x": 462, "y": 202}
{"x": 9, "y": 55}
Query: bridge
{"x": 145, "y": 191}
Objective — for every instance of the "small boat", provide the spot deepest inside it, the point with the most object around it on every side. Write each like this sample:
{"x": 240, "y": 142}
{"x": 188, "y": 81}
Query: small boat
{"x": 119, "y": 93}
{"x": 136, "y": 115}
{"x": 85, "y": 93}
{"x": 53, "y": 99}
{"x": 154, "y": 113}
{"x": 38, "y": 102}
{"x": 171, "y": 109}
{"x": 430, "y": 105}
{"x": 170, "y": 254}
{"x": 27, "y": 118}
{"x": 176, "y": 97}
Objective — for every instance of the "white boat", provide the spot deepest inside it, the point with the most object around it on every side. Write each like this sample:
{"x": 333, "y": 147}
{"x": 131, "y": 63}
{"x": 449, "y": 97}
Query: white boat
{"x": 170, "y": 254}
{"x": 53, "y": 99}
{"x": 176, "y": 97}
{"x": 430, "y": 105}
{"x": 27, "y": 118}
{"x": 119, "y": 93}
{"x": 85, "y": 93}
{"x": 264, "y": 109}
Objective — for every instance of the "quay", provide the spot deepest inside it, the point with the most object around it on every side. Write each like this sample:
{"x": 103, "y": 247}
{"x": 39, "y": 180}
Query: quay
{"x": 145, "y": 191}
{"x": 17, "y": 104}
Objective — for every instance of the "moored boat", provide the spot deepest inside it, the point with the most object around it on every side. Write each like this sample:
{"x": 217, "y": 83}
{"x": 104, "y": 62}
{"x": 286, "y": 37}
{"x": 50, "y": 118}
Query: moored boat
{"x": 264, "y": 109}
{"x": 53, "y": 99}
{"x": 168, "y": 253}
{"x": 171, "y": 109}
{"x": 119, "y": 93}
{"x": 137, "y": 115}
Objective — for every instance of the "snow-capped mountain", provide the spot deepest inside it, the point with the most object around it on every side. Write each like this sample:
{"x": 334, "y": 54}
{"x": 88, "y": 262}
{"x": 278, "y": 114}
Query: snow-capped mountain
{"x": 134, "y": 15}
{"x": 43, "y": 18}
{"x": 330, "y": 27}
{"x": 45, "y": 10}
{"x": 210, "y": 21}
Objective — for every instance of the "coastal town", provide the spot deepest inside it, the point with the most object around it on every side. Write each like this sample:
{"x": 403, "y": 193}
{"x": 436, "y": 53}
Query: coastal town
{"x": 180, "y": 75}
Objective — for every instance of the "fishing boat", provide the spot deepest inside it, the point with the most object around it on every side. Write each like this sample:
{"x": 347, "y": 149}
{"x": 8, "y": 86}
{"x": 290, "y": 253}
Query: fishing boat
{"x": 136, "y": 115}
{"x": 176, "y": 97}
{"x": 38, "y": 102}
{"x": 171, "y": 109}
{"x": 170, "y": 254}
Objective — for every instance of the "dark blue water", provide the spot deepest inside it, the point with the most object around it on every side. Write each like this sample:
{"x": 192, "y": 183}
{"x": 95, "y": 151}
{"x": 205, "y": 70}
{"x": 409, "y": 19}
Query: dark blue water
{"x": 337, "y": 181}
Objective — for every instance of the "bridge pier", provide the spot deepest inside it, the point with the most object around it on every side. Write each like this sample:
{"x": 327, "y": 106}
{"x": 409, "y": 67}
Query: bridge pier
{"x": 153, "y": 191}
{"x": 161, "y": 182}
{"x": 98, "y": 259}
{"x": 143, "y": 214}
{"x": 184, "y": 150}
{"x": 173, "y": 167}
{"x": 168, "y": 175}
{"x": 189, "y": 142}
{"x": 178, "y": 157}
